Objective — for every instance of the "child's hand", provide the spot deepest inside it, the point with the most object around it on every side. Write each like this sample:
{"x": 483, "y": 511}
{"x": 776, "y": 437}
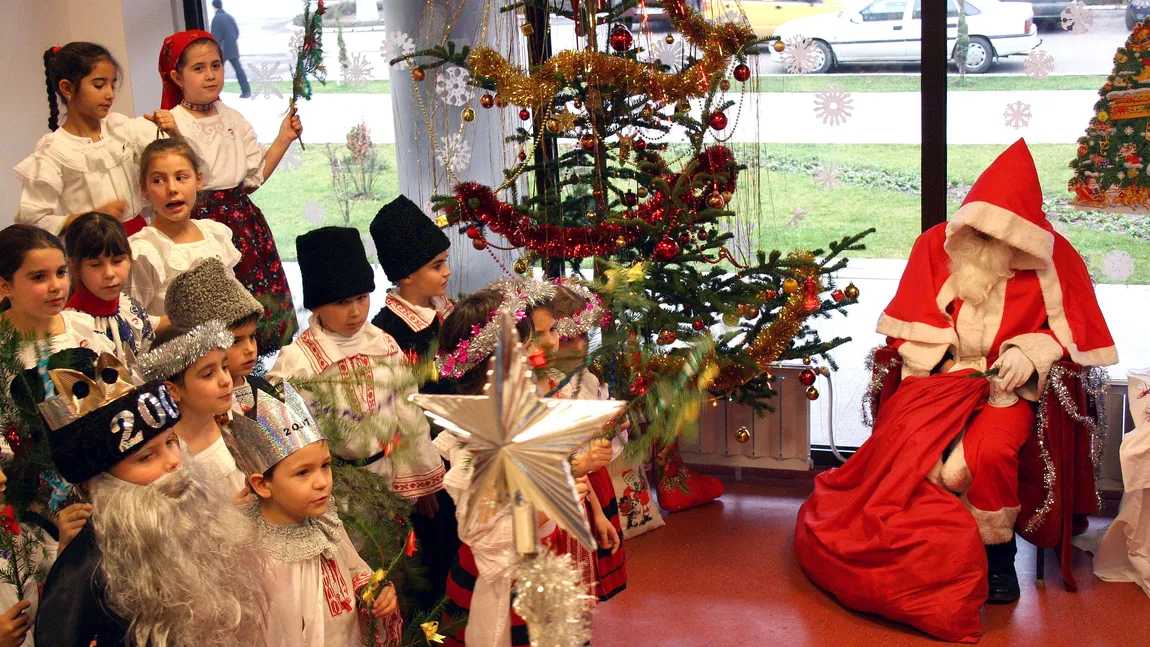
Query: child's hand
{"x": 115, "y": 208}
{"x": 243, "y": 497}
{"x": 385, "y": 602}
{"x": 291, "y": 128}
{"x": 582, "y": 488}
{"x": 164, "y": 121}
{"x": 71, "y": 521}
{"x": 14, "y": 625}
{"x": 605, "y": 534}
{"x": 598, "y": 456}
{"x": 427, "y": 505}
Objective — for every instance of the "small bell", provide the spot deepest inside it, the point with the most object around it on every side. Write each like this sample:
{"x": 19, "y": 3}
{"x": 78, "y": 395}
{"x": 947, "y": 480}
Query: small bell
{"x": 811, "y": 300}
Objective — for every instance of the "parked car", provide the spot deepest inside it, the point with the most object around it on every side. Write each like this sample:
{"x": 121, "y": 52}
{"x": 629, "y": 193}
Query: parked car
{"x": 1045, "y": 10}
{"x": 889, "y": 31}
{"x": 1134, "y": 14}
{"x": 766, "y": 15}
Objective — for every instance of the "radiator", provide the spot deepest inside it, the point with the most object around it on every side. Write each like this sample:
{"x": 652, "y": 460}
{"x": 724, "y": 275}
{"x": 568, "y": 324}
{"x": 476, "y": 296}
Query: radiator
{"x": 777, "y": 440}
{"x": 1118, "y": 424}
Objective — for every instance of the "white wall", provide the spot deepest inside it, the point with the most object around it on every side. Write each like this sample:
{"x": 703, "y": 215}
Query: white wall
{"x": 131, "y": 29}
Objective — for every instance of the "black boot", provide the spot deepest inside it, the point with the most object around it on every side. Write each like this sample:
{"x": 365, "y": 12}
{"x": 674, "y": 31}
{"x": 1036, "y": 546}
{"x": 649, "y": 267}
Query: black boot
{"x": 1003, "y": 579}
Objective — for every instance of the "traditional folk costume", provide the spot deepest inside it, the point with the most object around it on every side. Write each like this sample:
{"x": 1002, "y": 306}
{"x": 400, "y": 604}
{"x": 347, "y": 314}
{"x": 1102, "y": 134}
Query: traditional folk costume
{"x": 883, "y": 533}
{"x": 80, "y": 331}
{"x": 232, "y": 162}
{"x": 406, "y": 240}
{"x": 124, "y": 321}
{"x": 42, "y": 556}
{"x": 334, "y": 267}
{"x": 68, "y": 175}
{"x": 157, "y": 260}
{"x": 314, "y": 572}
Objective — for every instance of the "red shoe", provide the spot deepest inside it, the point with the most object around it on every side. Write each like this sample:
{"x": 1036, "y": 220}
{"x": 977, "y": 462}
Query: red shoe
{"x": 680, "y": 487}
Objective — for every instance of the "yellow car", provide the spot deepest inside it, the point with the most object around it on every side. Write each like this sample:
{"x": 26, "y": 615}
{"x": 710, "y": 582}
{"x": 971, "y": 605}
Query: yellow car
{"x": 766, "y": 15}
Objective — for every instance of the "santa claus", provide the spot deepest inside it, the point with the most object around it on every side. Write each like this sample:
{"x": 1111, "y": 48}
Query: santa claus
{"x": 996, "y": 291}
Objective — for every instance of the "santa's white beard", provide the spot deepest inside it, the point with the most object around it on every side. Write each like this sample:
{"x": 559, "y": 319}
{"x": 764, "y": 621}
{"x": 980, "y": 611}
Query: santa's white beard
{"x": 182, "y": 565}
{"x": 977, "y": 265}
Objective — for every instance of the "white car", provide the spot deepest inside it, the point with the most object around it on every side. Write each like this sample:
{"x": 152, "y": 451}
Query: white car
{"x": 888, "y": 31}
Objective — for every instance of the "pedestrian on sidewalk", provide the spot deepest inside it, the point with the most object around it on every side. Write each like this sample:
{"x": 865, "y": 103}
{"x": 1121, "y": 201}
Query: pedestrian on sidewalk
{"x": 227, "y": 34}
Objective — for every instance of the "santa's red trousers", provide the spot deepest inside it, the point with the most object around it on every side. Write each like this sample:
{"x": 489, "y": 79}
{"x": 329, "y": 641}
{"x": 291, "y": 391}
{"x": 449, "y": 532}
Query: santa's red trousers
{"x": 993, "y": 440}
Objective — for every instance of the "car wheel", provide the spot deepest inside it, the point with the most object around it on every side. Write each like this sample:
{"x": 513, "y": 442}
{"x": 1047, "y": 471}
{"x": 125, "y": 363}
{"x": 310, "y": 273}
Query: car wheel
{"x": 824, "y": 56}
{"x": 979, "y": 55}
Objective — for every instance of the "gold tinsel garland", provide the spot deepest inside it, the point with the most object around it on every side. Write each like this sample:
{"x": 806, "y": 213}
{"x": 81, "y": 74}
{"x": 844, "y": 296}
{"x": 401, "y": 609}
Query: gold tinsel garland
{"x": 718, "y": 43}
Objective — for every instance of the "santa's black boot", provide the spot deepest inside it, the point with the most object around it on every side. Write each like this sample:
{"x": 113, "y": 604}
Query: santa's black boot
{"x": 1003, "y": 579}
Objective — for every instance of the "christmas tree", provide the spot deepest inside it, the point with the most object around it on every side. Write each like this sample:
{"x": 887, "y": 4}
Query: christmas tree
{"x": 1110, "y": 166}
{"x": 606, "y": 194}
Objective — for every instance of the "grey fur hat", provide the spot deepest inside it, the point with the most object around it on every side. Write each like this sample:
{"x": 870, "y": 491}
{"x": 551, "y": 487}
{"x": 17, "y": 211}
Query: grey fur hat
{"x": 209, "y": 291}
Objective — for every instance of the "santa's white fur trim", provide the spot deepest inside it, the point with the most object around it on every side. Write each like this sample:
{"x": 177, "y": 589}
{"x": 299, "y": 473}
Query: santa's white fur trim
{"x": 995, "y": 527}
{"x": 1035, "y": 243}
{"x": 914, "y": 330}
{"x": 978, "y": 325}
{"x": 1056, "y": 317}
{"x": 956, "y": 475}
{"x": 1043, "y": 351}
{"x": 919, "y": 359}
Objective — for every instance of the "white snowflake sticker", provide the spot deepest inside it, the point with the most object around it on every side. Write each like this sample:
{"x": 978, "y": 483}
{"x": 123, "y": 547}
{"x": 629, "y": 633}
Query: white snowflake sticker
{"x": 400, "y": 44}
{"x": 1039, "y": 64}
{"x": 733, "y": 16}
{"x": 1077, "y": 18}
{"x": 453, "y": 86}
{"x": 827, "y": 177}
{"x": 292, "y": 159}
{"x": 295, "y": 41}
{"x": 797, "y": 216}
{"x": 357, "y": 72}
{"x": 265, "y": 78}
{"x": 454, "y": 153}
{"x": 833, "y": 105}
{"x": 1118, "y": 265}
{"x": 314, "y": 214}
{"x": 802, "y": 56}
{"x": 1017, "y": 115}
{"x": 669, "y": 54}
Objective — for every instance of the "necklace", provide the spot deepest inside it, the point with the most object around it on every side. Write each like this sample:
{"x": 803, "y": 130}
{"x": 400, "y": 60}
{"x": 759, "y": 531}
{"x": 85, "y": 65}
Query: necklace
{"x": 197, "y": 107}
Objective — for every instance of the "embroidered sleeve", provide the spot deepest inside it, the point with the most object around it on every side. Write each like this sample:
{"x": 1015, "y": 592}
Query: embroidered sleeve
{"x": 43, "y": 183}
{"x": 146, "y": 276}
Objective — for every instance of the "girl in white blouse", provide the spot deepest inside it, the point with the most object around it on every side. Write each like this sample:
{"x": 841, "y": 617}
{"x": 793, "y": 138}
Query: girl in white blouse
{"x": 90, "y": 163}
{"x": 173, "y": 243}
{"x": 234, "y": 165}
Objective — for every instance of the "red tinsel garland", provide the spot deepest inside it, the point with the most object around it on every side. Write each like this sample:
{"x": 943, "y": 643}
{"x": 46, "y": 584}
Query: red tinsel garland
{"x": 478, "y": 203}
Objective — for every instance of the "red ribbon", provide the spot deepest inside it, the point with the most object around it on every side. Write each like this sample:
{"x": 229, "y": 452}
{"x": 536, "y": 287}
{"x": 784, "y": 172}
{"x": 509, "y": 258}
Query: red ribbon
{"x": 410, "y": 549}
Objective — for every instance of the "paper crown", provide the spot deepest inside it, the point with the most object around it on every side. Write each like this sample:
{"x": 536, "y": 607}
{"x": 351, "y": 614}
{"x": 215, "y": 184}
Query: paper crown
{"x": 175, "y": 356}
{"x": 77, "y": 395}
{"x": 274, "y": 429}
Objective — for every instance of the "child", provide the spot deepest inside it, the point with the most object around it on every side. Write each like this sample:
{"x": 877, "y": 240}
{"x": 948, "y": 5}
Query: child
{"x": 157, "y": 534}
{"x": 193, "y": 364}
{"x": 413, "y": 254}
{"x": 91, "y": 162}
{"x": 208, "y": 291}
{"x": 33, "y": 286}
{"x": 172, "y": 243}
{"x": 18, "y": 614}
{"x": 315, "y": 573}
{"x": 479, "y": 584}
{"x": 234, "y": 165}
{"x": 339, "y": 343}
{"x": 100, "y": 258}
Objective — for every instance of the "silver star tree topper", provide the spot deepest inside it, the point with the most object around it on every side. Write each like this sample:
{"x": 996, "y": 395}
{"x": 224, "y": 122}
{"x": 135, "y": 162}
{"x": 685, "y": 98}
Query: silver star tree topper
{"x": 520, "y": 441}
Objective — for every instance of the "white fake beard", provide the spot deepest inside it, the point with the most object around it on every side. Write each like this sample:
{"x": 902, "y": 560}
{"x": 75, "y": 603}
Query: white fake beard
{"x": 183, "y": 566}
{"x": 977, "y": 265}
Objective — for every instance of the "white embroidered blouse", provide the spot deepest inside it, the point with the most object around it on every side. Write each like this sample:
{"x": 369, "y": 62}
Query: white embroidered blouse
{"x": 157, "y": 260}
{"x": 226, "y": 145}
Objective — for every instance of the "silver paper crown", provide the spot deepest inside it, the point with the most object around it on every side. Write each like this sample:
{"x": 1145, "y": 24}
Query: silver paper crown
{"x": 177, "y": 355}
{"x": 77, "y": 395}
{"x": 279, "y": 429}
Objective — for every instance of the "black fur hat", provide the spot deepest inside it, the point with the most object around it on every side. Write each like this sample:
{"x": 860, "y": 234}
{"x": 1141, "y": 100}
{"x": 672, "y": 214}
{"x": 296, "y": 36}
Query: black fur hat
{"x": 405, "y": 238}
{"x": 334, "y": 266}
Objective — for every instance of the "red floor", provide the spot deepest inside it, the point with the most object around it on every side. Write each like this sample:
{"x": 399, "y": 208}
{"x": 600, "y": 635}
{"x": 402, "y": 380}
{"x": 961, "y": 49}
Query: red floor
{"x": 725, "y": 574}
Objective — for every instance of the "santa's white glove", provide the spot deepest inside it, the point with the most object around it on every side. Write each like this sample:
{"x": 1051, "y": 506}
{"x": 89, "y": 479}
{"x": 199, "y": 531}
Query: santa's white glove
{"x": 1014, "y": 368}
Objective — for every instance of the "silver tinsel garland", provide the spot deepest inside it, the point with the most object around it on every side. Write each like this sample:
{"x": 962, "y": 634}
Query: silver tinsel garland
{"x": 518, "y": 297}
{"x": 878, "y": 376}
{"x": 551, "y": 598}
{"x": 177, "y": 355}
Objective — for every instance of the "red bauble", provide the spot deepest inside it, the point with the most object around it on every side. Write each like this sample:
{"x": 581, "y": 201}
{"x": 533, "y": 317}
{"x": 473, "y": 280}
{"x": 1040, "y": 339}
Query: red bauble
{"x": 717, "y": 120}
{"x": 666, "y": 250}
{"x": 487, "y": 101}
{"x": 640, "y": 144}
{"x": 685, "y": 238}
{"x": 702, "y": 234}
{"x": 621, "y": 38}
{"x": 522, "y": 156}
{"x": 473, "y": 232}
{"x": 698, "y": 325}
{"x": 807, "y": 377}
{"x": 742, "y": 73}
{"x": 770, "y": 295}
{"x": 524, "y": 114}
{"x": 587, "y": 141}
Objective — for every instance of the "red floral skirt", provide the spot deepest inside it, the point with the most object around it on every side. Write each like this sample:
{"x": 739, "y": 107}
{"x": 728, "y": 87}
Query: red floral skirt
{"x": 460, "y": 585}
{"x": 610, "y": 570}
{"x": 259, "y": 268}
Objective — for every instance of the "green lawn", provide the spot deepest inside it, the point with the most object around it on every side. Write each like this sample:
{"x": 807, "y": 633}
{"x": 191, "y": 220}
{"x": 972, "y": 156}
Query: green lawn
{"x": 830, "y": 215}
{"x": 333, "y": 86}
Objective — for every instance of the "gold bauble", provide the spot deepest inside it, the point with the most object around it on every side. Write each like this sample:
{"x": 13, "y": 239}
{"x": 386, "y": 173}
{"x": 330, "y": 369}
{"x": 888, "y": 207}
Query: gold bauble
{"x": 521, "y": 266}
{"x": 730, "y": 319}
{"x": 1103, "y": 115}
{"x": 716, "y": 201}
{"x": 812, "y": 393}
{"x": 479, "y": 244}
{"x": 642, "y": 191}
{"x": 417, "y": 74}
{"x": 752, "y": 312}
{"x": 441, "y": 221}
{"x": 851, "y": 291}
{"x": 806, "y": 361}
{"x": 743, "y": 310}
{"x": 487, "y": 101}
{"x": 683, "y": 106}
{"x": 468, "y": 115}
{"x": 553, "y": 125}
{"x": 670, "y": 39}
{"x": 769, "y": 376}
{"x": 725, "y": 85}
{"x": 728, "y": 196}
{"x": 620, "y": 242}
{"x": 646, "y": 112}
{"x": 790, "y": 286}
{"x": 779, "y": 46}
{"x": 742, "y": 434}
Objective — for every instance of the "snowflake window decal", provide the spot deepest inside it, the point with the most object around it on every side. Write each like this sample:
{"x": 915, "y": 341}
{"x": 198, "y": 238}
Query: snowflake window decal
{"x": 1118, "y": 265}
{"x": 357, "y": 72}
{"x": 1039, "y": 64}
{"x": 292, "y": 159}
{"x": 1017, "y": 115}
{"x": 400, "y": 44}
{"x": 797, "y": 216}
{"x": 454, "y": 153}
{"x": 314, "y": 214}
{"x": 266, "y": 79}
{"x": 828, "y": 177}
{"x": 453, "y": 86}
{"x": 295, "y": 41}
{"x": 1077, "y": 18}
{"x": 733, "y": 17}
{"x": 833, "y": 105}
{"x": 801, "y": 56}
{"x": 669, "y": 54}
